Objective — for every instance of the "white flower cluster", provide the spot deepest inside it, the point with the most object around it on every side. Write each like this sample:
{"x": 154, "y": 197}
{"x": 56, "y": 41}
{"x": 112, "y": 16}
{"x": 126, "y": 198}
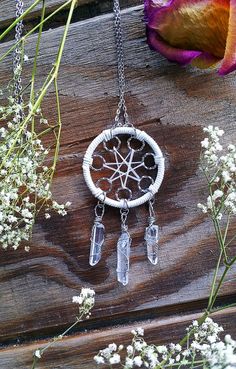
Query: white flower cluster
{"x": 110, "y": 355}
{"x": 216, "y": 354}
{"x": 203, "y": 345}
{"x": 219, "y": 166}
{"x": 85, "y": 301}
{"x": 25, "y": 180}
{"x": 222, "y": 354}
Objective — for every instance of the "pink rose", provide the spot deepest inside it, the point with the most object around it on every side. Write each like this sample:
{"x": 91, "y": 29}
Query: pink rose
{"x": 197, "y": 32}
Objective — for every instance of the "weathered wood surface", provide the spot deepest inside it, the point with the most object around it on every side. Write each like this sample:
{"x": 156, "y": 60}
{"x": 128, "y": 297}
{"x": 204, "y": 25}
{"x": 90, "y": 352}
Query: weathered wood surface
{"x": 78, "y": 351}
{"x": 172, "y": 104}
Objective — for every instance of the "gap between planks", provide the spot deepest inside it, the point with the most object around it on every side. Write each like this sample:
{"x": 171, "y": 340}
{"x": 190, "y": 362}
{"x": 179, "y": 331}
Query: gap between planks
{"x": 163, "y": 313}
{"x": 84, "y": 10}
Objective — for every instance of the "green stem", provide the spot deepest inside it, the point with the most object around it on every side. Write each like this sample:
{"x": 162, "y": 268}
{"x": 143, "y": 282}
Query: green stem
{"x": 214, "y": 281}
{"x": 226, "y": 270}
{"x": 56, "y": 154}
{"x": 62, "y": 44}
{"x": 58, "y": 338}
{"x": 226, "y": 230}
{"x": 35, "y": 360}
{"x": 215, "y": 310}
{"x": 49, "y": 129}
{"x": 214, "y": 297}
{"x": 231, "y": 240}
{"x": 220, "y": 237}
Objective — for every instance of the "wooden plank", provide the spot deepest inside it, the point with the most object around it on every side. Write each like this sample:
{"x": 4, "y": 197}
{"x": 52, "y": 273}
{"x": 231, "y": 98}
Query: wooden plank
{"x": 172, "y": 104}
{"x": 78, "y": 351}
{"x": 90, "y": 8}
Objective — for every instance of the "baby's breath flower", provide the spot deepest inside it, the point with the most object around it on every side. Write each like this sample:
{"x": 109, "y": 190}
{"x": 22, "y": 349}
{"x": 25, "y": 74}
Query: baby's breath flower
{"x": 138, "y": 331}
{"x": 204, "y": 345}
{"x": 162, "y": 349}
{"x": 85, "y": 301}
{"x": 115, "y": 359}
{"x": 129, "y": 363}
{"x": 138, "y": 361}
{"x": 77, "y": 300}
{"x": 112, "y": 347}
{"x": 99, "y": 359}
{"x": 25, "y": 181}
{"x": 130, "y": 350}
{"x": 220, "y": 171}
{"x": 43, "y": 121}
{"x": 38, "y": 354}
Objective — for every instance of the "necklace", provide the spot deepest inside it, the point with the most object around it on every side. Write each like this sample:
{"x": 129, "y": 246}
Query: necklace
{"x": 17, "y": 58}
{"x": 124, "y": 168}
{"x": 17, "y": 63}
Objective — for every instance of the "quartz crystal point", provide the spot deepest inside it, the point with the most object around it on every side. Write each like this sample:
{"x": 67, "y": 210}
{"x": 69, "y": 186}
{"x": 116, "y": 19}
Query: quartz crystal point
{"x": 151, "y": 238}
{"x": 97, "y": 240}
{"x": 123, "y": 252}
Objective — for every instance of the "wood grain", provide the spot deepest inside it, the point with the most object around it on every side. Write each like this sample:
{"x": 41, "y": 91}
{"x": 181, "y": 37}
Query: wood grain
{"x": 172, "y": 104}
{"x": 78, "y": 351}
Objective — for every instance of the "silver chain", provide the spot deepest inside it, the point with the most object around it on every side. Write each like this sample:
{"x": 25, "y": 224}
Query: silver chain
{"x": 122, "y": 109}
{"x": 123, "y": 216}
{"x": 17, "y": 58}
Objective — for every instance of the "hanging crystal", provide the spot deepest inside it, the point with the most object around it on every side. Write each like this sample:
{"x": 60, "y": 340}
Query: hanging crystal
{"x": 151, "y": 238}
{"x": 97, "y": 241}
{"x": 97, "y": 235}
{"x": 151, "y": 235}
{"x": 123, "y": 250}
{"x": 123, "y": 253}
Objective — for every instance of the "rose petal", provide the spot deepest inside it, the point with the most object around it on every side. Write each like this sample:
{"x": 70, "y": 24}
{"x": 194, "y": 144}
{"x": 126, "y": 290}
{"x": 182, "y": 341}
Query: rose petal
{"x": 229, "y": 61}
{"x": 182, "y": 57}
{"x": 193, "y": 25}
{"x": 205, "y": 60}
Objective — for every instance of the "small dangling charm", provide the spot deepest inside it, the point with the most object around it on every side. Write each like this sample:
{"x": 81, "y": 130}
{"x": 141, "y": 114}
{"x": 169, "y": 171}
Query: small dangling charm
{"x": 151, "y": 236}
{"x": 97, "y": 235}
{"x": 123, "y": 250}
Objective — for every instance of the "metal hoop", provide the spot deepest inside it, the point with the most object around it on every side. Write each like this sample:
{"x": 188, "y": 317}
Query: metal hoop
{"x": 103, "y": 162}
{"x": 124, "y": 189}
{"x": 109, "y": 189}
{"x": 116, "y": 147}
{"x": 105, "y": 136}
{"x": 140, "y": 186}
{"x": 155, "y": 159}
{"x": 135, "y": 138}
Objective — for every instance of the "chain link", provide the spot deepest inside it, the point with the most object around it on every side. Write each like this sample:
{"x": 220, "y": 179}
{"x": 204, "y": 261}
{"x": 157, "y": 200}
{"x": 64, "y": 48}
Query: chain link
{"x": 17, "y": 58}
{"x": 123, "y": 216}
{"x": 122, "y": 109}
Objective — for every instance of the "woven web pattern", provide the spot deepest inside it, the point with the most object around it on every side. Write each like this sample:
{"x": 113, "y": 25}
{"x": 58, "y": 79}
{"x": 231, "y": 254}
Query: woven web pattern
{"x": 126, "y": 167}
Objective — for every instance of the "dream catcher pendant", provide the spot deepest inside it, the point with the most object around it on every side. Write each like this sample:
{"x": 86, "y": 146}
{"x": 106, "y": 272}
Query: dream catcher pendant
{"x": 124, "y": 168}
